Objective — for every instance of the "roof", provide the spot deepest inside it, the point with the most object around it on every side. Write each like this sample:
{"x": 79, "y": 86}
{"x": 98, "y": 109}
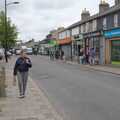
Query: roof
{"x": 44, "y": 41}
{"x": 109, "y": 11}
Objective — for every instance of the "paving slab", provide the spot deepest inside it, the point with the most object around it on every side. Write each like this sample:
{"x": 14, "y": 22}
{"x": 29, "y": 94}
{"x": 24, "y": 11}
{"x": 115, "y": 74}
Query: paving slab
{"x": 35, "y": 106}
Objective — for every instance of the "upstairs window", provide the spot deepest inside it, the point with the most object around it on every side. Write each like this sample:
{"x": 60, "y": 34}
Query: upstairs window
{"x": 115, "y": 20}
{"x": 90, "y": 27}
{"x": 62, "y": 35}
{"x": 94, "y": 25}
{"x": 75, "y": 31}
{"x": 87, "y": 27}
{"x": 82, "y": 29}
{"x": 68, "y": 33}
{"x": 104, "y": 23}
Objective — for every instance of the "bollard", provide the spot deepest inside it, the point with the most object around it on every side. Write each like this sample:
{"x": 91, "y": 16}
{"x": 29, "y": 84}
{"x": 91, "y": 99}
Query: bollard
{"x": 2, "y": 82}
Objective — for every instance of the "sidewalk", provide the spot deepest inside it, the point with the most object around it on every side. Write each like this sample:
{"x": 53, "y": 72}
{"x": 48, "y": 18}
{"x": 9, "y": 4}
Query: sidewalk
{"x": 108, "y": 69}
{"x": 34, "y": 107}
{"x": 101, "y": 68}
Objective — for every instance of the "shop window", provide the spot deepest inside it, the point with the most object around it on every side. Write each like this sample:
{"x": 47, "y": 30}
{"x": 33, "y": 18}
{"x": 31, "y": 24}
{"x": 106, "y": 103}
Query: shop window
{"x": 116, "y": 50}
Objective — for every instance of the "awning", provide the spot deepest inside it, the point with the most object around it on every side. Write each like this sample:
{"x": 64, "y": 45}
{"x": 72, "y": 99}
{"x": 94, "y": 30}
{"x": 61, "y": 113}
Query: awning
{"x": 53, "y": 43}
{"x": 64, "y": 41}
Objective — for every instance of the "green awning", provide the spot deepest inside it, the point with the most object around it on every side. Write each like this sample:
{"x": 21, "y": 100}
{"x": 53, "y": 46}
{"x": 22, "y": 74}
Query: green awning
{"x": 53, "y": 42}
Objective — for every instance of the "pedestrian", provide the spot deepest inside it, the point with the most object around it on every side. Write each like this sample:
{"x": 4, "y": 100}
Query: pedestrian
{"x": 92, "y": 56}
{"x": 81, "y": 56}
{"x": 52, "y": 55}
{"x": 57, "y": 55}
{"x": 21, "y": 69}
{"x": 62, "y": 55}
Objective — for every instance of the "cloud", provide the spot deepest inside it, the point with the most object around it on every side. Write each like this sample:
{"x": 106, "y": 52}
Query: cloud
{"x": 35, "y": 18}
{"x": 54, "y": 4}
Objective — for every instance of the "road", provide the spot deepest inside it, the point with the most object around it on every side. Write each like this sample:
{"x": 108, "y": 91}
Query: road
{"x": 78, "y": 93}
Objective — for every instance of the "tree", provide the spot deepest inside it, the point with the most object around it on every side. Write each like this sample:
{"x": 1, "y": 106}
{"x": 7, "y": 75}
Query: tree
{"x": 11, "y": 32}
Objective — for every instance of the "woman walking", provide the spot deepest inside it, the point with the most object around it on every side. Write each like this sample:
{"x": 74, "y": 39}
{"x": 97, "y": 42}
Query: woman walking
{"x": 21, "y": 69}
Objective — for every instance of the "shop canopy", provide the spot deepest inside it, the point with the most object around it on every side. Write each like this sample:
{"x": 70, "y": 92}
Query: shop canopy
{"x": 53, "y": 43}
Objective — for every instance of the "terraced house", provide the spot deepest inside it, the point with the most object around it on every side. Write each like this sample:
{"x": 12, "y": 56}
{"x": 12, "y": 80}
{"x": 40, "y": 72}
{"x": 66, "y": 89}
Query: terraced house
{"x": 100, "y": 31}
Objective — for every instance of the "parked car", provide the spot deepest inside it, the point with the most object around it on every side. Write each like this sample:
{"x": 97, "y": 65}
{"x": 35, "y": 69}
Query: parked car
{"x": 1, "y": 54}
{"x": 29, "y": 51}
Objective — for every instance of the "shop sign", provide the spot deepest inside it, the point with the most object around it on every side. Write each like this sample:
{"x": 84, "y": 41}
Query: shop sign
{"x": 94, "y": 34}
{"x": 67, "y": 40}
{"x": 112, "y": 33}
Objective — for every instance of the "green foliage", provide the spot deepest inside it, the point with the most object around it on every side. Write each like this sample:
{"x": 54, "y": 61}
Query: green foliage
{"x": 11, "y": 32}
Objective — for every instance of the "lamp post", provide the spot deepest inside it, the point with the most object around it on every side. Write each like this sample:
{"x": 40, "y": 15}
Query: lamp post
{"x": 6, "y": 32}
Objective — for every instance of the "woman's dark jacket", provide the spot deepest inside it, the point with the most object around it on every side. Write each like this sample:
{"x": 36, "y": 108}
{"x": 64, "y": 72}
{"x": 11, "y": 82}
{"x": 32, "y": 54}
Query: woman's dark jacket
{"x": 21, "y": 65}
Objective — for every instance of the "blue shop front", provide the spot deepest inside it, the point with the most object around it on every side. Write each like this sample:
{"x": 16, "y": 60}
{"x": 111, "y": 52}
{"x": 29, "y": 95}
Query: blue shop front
{"x": 112, "y": 46}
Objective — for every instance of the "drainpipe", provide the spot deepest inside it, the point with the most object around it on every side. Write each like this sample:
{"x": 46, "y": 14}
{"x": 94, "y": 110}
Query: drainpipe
{"x": 71, "y": 46}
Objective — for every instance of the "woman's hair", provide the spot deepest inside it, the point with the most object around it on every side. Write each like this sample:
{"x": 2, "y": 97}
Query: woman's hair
{"x": 22, "y": 51}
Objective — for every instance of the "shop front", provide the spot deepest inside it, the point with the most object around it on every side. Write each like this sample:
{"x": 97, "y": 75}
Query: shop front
{"x": 112, "y": 48}
{"x": 65, "y": 46}
{"x": 94, "y": 40}
{"x": 77, "y": 45}
{"x": 52, "y": 45}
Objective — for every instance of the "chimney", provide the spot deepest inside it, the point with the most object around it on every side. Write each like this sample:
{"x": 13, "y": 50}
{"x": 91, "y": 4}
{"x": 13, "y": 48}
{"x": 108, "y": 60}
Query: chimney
{"x": 117, "y": 2}
{"x": 103, "y": 6}
{"x": 85, "y": 14}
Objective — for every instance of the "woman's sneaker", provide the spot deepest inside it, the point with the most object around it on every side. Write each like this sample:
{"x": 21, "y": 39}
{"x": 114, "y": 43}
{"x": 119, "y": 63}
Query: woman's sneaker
{"x": 21, "y": 96}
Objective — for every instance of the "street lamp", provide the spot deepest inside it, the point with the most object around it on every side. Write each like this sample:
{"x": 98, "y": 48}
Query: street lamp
{"x": 7, "y": 4}
{"x": 12, "y": 3}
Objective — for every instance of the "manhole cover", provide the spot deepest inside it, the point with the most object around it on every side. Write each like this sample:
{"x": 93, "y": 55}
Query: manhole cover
{"x": 27, "y": 119}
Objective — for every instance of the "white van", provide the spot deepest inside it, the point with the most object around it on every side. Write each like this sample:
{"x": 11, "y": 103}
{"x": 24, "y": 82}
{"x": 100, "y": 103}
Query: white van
{"x": 1, "y": 53}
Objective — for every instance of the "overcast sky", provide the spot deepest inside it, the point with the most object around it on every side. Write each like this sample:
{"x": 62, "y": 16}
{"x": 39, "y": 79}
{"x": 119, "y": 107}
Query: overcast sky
{"x": 35, "y": 18}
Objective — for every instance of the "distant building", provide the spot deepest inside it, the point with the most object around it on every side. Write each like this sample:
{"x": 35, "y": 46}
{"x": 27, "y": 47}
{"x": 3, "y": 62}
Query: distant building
{"x": 50, "y": 42}
{"x": 30, "y": 43}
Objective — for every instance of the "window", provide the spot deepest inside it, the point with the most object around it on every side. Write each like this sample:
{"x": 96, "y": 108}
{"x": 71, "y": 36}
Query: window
{"x": 94, "y": 26}
{"x": 62, "y": 35}
{"x": 68, "y": 33}
{"x": 75, "y": 31}
{"x": 59, "y": 36}
{"x": 87, "y": 27}
{"x": 82, "y": 30}
{"x": 90, "y": 27}
{"x": 115, "y": 20}
{"x": 104, "y": 23}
